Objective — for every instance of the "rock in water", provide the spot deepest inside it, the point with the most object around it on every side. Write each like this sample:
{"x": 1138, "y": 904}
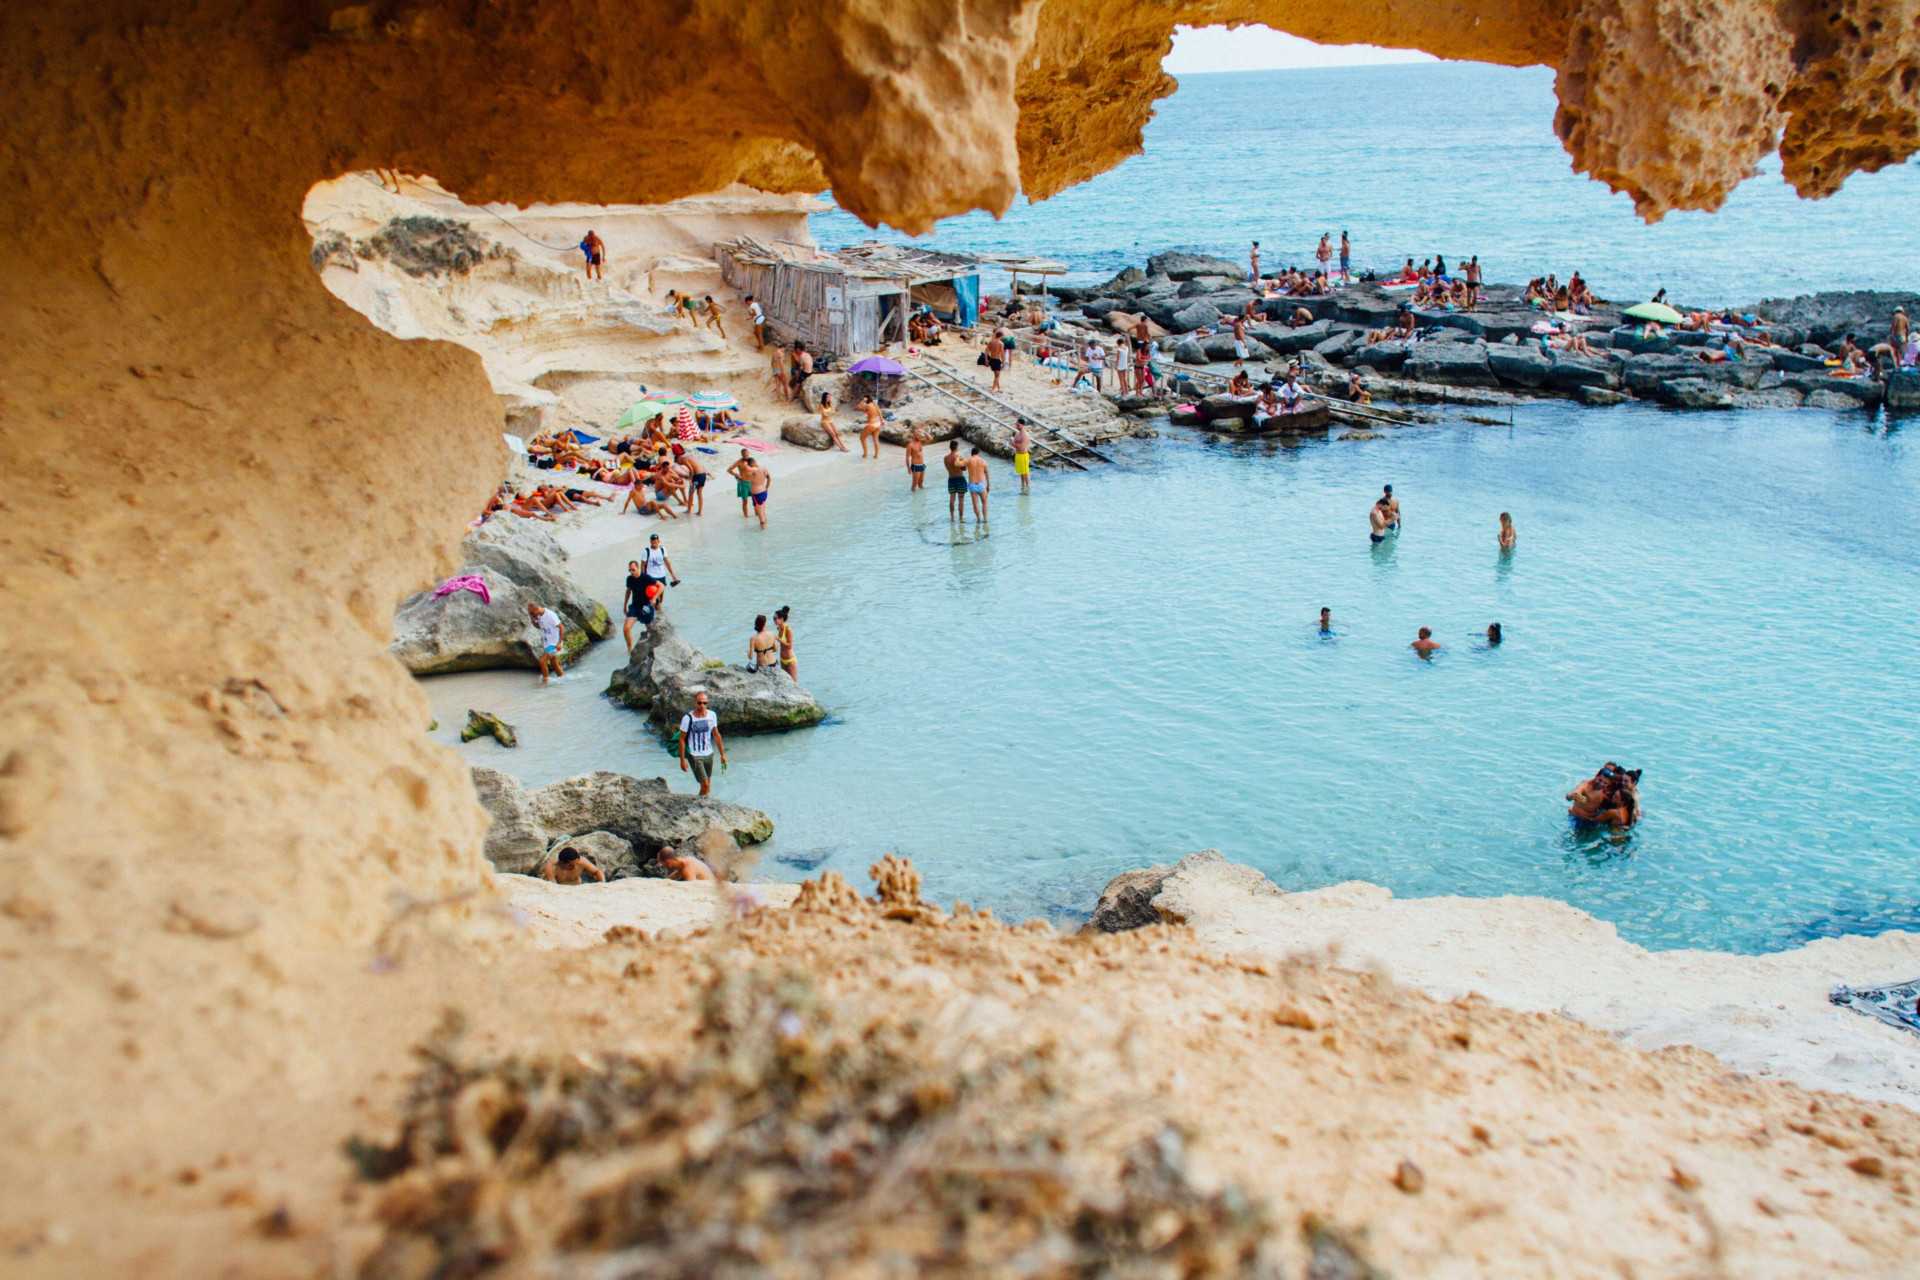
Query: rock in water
{"x": 515, "y": 842}
{"x": 1185, "y": 266}
{"x": 1456, "y": 364}
{"x": 1127, "y": 901}
{"x": 484, "y": 724}
{"x": 665, "y": 673}
{"x": 642, "y": 812}
{"x": 521, "y": 564}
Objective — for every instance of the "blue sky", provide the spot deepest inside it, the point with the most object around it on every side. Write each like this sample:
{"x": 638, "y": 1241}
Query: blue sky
{"x": 1256, "y": 48}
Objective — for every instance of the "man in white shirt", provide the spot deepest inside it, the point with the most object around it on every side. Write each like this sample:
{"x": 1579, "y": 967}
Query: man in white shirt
{"x": 552, "y": 631}
{"x": 759, "y": 315}
{"x": 699, "y": 739}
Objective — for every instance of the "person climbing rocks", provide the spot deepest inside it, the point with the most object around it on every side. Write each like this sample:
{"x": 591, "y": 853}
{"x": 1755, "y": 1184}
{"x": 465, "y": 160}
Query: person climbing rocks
{"x": 682, "y": 866}
{"x": 596, "y": 250}
{"x": 699, "y": 739}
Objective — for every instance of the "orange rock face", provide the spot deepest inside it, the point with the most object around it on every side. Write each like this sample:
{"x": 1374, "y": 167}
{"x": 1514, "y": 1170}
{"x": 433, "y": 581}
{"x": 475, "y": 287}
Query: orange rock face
{"x": 216, "y": 480}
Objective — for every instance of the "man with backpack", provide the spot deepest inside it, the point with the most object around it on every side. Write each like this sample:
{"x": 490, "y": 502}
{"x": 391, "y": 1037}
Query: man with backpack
{"x": 699, "y": 739}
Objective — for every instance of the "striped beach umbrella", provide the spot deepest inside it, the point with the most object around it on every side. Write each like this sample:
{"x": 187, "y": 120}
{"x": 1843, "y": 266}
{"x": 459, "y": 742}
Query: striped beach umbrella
{"x": 713, "y": 400}
{"x": 683, "y": 425}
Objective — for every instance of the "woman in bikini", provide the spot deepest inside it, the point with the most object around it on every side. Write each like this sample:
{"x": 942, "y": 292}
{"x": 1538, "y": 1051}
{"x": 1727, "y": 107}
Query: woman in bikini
{"x": 763, "y": 648}
{"x": 826, "y": 422}
{"x": 871, "y": 431}
{"x": 1507, "y": 536}
{"x": 783, "y": 632}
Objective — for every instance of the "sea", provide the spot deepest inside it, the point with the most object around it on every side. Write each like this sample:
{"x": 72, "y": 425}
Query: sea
{"x": 1124, "y": 667}
{"x": 1414, "y": 160}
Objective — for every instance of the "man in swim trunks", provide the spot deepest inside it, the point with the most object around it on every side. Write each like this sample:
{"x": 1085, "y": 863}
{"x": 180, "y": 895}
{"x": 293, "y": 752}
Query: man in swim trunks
{"x": 783, "y": 632}
{"x": 570, "y": 866}
{"x": 1346, "y": 259}
{"x": 1239, "y": 326}
{"x": 552, "y": 633}
{"x": 742, "y": 486}
{"x": 696, "y": 500}
{"x": 1022, "y": 453}
{"x": 996, "y": 357}
{"x": 596, "y": 250}
{"x": 979, "y": 484}
{"x": 758, "y": 481}
{"x": 916, "y": 460}
{"x": 1326, "y": 614}
{"x": 1377, "y": 519}
{"x": 802, "y": 366}
{"x": 1393, "y": 507}
{"x": 956, "y": 482}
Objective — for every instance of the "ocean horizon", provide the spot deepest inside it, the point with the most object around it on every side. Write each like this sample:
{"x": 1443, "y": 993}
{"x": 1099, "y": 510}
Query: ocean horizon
{"x": 1418, "y": 159}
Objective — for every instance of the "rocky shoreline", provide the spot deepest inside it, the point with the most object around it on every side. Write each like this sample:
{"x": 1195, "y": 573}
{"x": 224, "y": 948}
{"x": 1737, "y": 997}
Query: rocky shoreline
{"x": 1491, "y": 355}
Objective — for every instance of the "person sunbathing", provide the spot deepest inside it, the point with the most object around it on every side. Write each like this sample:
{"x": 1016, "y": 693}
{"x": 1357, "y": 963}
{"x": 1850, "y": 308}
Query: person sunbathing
{"x": 1576, "y": 344}
{"x": 1267, "y": 406}
{"x": 648, "y": 506}
{"x": 520, "y": 506}
{"x": 1241, "y": 385}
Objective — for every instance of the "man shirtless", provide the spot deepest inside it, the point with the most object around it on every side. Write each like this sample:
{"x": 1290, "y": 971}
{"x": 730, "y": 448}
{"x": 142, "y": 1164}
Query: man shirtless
{"x": 570, "y": 866}
{"x": 596, "y": 250}
{"x": 1424, "y": 644}
{"x": 996, "y": 356}
{"x": 871, "y": 431}
{"x": 802, "y": 366}
{"x": 682, "y": 866}
{"x": 1377, "y": 521}
{"x": 757, "y": 481}
{"x": 696, "y": 482}
{"x": 713, "y": 317}
{"x": 916, "y": 460}
{"x": 1239, "y": 326}
{"x": 979, "y": 484}
{"x": 1392, "y": 505}
{"x": 743, "y": 484}
{"x": 956, "y": 482}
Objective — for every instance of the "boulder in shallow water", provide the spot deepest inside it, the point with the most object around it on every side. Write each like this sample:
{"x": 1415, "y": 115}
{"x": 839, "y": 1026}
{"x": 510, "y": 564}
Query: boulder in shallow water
{"x": 485, "y": 724}
{"x": 1177, "y": 265}
{"x": 1862, "y": 391}
{"x": 1694, "y": 393}
{"x": 1127, "y": 901}
{"x": 1571, "y": 372}
{"x": 1384, "y": 356}
{"x": 515, "y": 842}
{"x": 526, "y": 554}
{"x": 1600, "y": 397}
{"x": 665, "y": 672}
{"x": 461, "y": 632}
{"x": 1182, "y": 415}
{"x": 1903, "y": 389}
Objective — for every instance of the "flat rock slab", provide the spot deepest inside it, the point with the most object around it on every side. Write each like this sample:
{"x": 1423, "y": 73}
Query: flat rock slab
{"x": 560, "y": 916}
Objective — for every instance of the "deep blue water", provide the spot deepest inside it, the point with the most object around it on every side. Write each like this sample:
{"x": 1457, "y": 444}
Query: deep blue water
{"x": 1125, "y": 670}
{"x": 1447, "y": 158}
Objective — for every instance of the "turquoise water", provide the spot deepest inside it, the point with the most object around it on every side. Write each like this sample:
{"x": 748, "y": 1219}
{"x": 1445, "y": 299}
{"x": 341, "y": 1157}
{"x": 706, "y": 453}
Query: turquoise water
{"x": 1126, "y": 670}
{"x": 1448, "y": 158}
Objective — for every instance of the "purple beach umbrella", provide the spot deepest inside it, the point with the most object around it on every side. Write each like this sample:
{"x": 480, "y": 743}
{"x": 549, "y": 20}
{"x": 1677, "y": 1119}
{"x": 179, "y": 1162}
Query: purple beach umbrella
{"x": 880, "y": 365}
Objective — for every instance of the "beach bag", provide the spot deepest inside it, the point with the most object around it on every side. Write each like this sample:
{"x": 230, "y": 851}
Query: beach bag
{"x": 982, "y": 360}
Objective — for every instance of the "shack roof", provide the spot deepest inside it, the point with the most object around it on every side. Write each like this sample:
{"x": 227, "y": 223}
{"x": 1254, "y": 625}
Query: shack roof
{"x": 1022, "y": 265}
{"x": 870, "y": 261}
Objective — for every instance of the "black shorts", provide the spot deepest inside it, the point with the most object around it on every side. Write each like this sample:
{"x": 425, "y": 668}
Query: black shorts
{"x": 956, "y": 484}
{"x": 993, "y": 364}
{"x": 699, "y": 480}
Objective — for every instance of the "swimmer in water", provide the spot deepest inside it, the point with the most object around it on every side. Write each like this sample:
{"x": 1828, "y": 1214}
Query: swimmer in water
{"x": 1425, "y": 645}
{"x": 1507, "y": 536}
{"x": 1377, "y": 520}
{"x": 1493, "y": 635}
{"x": 1326, "y": 622}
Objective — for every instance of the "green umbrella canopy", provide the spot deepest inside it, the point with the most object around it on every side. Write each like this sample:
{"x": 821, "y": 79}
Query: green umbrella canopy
{"x": 1658, "y": 312}
{"x": 647, "y": 408}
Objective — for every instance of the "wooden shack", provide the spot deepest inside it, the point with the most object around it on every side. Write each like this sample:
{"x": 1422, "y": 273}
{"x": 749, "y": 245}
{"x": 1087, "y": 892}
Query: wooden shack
{"x": 849, "y": 302}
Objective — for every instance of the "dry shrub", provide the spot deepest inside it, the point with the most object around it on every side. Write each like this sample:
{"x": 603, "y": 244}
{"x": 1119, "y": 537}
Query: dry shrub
{"x": 795, "y": 1142}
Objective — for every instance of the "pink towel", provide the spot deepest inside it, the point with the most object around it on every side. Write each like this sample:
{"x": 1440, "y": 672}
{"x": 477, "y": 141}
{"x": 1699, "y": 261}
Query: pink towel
{"x": 469, "y": 582}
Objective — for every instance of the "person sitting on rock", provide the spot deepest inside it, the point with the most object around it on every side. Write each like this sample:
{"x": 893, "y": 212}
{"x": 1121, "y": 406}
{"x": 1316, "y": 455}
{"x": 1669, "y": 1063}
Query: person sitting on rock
{"x": 1267, "y": 406}
{"x": 570, "y": 866}
{"x": 1356, "y": 392}
{"x": 1241, "y": 386}
{"x": 1576, "y": 343}
{"x": 683, "y": 866}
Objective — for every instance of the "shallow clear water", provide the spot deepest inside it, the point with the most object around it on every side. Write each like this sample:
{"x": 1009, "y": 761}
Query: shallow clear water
{"x": 1126, "y": 670}
{"x": 1451, "y": 158}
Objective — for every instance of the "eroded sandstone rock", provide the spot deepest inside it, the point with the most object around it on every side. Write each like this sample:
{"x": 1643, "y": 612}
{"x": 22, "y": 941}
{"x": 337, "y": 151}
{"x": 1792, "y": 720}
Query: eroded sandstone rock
{"x": 665, "y": 672}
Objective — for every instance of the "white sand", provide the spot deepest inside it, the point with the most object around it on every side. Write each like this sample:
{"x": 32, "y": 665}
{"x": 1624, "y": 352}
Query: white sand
{"x": 566, "y": 915}
{"x": 1765, "y": 1015}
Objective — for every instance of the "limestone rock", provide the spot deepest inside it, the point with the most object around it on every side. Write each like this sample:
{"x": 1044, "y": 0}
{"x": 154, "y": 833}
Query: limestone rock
{"x": 1694, "y": 393}
{"x": 1221, "y": 407}
{"x": 460, "y": 632}
{"x": 1217, "y": 347}
{"x": 1903, "y": 390}
{"x": 1184, "y": 416}
{"x": 665, "y": 672}
{"x": 839, "y": 384}
{"x": 1458, "y": 364}
{"x": 1176, "y": 265}
{"x": 935, "y": 428}
{"x": 523, "y": 552}
{"x": 1571, "y": 373}
{"x": 641, "y": 811}
{"x": 1127, "y": 901}
{"x": 1285, "y": 341}
{"x": 1189, "y": 351}
{"x": 1195, "y": 315}
{"x": 805, "y": 432}
{"x": 1862, "y": 391}
{"x": 1383, "y": 356}
{"x": 484, "y": 724}
{"x": 1600, "y": 397}
{"x": 515, "y": 842}
{"x": 614, "y": 856}
{"x": 1521, "y": 366}
{"x": 1201, "y": 286}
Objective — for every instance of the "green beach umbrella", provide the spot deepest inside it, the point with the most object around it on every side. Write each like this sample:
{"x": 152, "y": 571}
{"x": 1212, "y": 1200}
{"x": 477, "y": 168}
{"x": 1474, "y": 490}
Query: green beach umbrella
{"x": 1657, "y": 312}
{"x": 641, "y": 411}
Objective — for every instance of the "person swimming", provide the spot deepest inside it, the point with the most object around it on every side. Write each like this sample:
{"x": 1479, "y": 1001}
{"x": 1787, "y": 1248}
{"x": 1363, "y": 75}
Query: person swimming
{"x": 1326, "y": 622}
{"x": 1610, "y": 798}
{"x": 1494, "y": 635}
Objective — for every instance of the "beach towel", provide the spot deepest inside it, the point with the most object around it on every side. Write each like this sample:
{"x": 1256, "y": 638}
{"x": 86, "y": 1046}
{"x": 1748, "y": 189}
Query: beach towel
{"x": 466, "y": 582}
{"x": 748, "y": 442}
{"x": 585, "y": 439}
{"x": 1893, "y": 1004}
